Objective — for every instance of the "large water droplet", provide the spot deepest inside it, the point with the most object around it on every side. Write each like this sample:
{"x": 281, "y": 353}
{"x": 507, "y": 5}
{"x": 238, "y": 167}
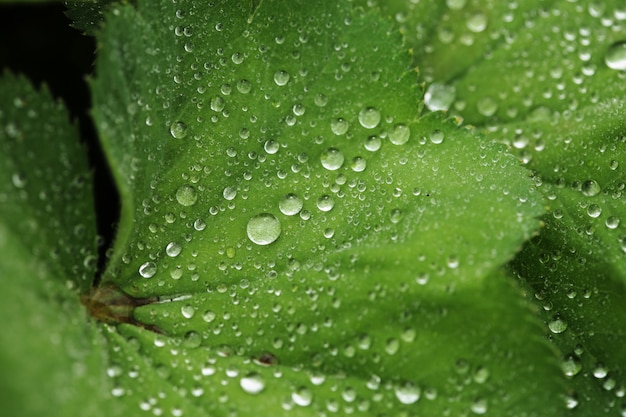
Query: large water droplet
{"x": 148, "y": 269}
{"x": 400, "y": 134}
{"x": 302, "y": 397}
{"x": 264, "y": 229}
{"x": 369, "y": 117}
{"x": 439, "y": 96}
{"x": 571, "y": 365}
{"x": 186, "y": 195}
{"x": 252, "y": 383}
{"x": 407, "y": 393}
{"x": 290, "y": 205}
{"x": 477, "y": 23}
{"x": 173, "y": 249}
{"x": 436, "y": 137}
{"x": 325, "y": 203}
{"x": 178, "y": 129}
{"x": 339, "y": 126}
{"x": 217, "y": 103}
{"x": 615, "y": 57}
{"x": 332, "y": 159}
{"x": 557, "y": 325}
{"x": 591, "y": 188}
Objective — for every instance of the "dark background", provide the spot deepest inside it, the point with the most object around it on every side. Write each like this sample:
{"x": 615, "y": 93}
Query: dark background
{"x": 38, "y": 42}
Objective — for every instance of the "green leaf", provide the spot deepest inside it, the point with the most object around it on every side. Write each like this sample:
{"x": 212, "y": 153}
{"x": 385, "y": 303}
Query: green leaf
{"x": 88, "y": 15}
{"x": 559, "y": 107}
{"x": 49, "y": 355}
{"x": 289, "y": 219}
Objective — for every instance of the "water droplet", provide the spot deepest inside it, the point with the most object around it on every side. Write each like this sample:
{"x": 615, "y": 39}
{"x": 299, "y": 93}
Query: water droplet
{"x": 594, "y": 210}
{"x": 408, "y": 393}
{"x": 173, "y": 249}
{"x": 178, "y": 129}
{"x": 557, "y": 325}
{"x": 591, "y": 188}
{"x": 271, "y": 146}
{"x": 479, "y": 406}
{"x": 436, "y": 137}
{"x": 252, "y": 383}
{"x": 487, "y": 106}
{"x": 281, "y": 78}
{"x": 325, "y": 203}
{"x": 290, "y": 205}
{"x": 615, "y": 57}
{"x": 217, "y": 103}
{"x": 456, "y": 4}
{"x": 187, "y": 311}
{"x": 358, "y": 164}
{"x": 302, "y": 397}
{"x": 373, "y": 143}
{"x": 396, "y": 215}
{"x": 571, "y": 365}
{"x": 439, "y": 96}
{"x": 19, "y": 180}
{"x": 339, "y": 126}
{"x": 369, "y": 117}
{"x": 600, "y": 371}
{"x": 612, "y": 222}
{"x": 244, "y": 86}
{"x": 186, "y": 195}
{"x": 392, "y": 346}
{"x": 148, "y": 269}
{"x": 400, "y": 134}
{"x": 263, "y": 229}
{"x": 477, "y": 23}
{"x": 332, "y": 159}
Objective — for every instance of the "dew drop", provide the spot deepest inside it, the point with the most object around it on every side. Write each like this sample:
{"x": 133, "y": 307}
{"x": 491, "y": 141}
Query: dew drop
{"x": 456, "y": 4}
{"x": 594, "y": 210}
{"x": 436, "y": 137}
{"x": 186, "y": 195}
{"x": 479, "y": 406}
{"x": 571, "y": 365}
{"x": 252, "y": 383}
{"x": 290, "y": 205}
{"x": 173, "y": 249}
{"x": 615, "y": 57}
{"x": 407, "y": 393}
{"x": 187, "y": 311}
{"x": 271, "y": 146}
{"x": 487, "y": 106}
{"x": 19, "y": 180}
{"x": 302, "y": 397}
{"x": 612, "y": 222}
{"x": 358, "y": 164}
{"x": 332, "y": 159}
{"x": 325, "y": 203}
{"x": 178, "y": 129}
{"x": 339, "y": 126}
{"x": 477, "y": 23}
{"x": 369, "y": 117}
{"x": 396, "y": 216}
{"x": 590, "y": 188}
{"x": 557, "y": 325}
{"x": 263, "y": 229}
{"x": 217, "y": 103}
{"x": 439, "y": 97}
{"x": 400, "y": 134}
{"x": 281, "y": 78}
{"x": 148, "y": 269}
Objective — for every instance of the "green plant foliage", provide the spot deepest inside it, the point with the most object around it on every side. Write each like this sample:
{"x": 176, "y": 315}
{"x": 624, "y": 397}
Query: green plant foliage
{"x": 301, "y": 236}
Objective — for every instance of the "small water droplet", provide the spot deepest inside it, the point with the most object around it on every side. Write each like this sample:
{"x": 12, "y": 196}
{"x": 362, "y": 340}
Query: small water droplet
{"x": 408, "y": 393}
{"x": 487, "y": 106}
{"x": 290, "y": 205}
{"x": 456, "y": 4}
{"x": 217, "y": 103}
{"x": 594, "y": 210}
{"x": 396, "y": 216}
{"x": 358, "y": 164}
{"x": 615, "y": 57}
{"x": 477, "y": 23}
{"x": 302, "y": 397}
{"x": 437, "y": 137}
{"x": 369, "y": 117}
{"x": 600, "y": 371}
{"x": 332, "y": 159}
{"x": 325, "y": 203}
{"x": 400, "y": 134}
{"x": 19, "y": 180}
{"x": 186, "y": 195}
{"x": 187, "y": 311}
{"x": 148, "y": 269}
{"x": 479, "y": 406}
{"x": 252, "y": 383}
{"x": 373, "y": 143}
{"x": 281, "y": 78}
{"x": 612, "y": 222}
{"x": 571, "y": 365}
{"x": 557, "y": 325}
{"x": 339, "y": 126}
{"x": 439, "y": 96}
{"x": 173, "y": 249}
{"x": 264, "y": 229}
{"x": 591, "y": 188}
{"x": 271, "y": 146}
{"x": 178, "y": 129}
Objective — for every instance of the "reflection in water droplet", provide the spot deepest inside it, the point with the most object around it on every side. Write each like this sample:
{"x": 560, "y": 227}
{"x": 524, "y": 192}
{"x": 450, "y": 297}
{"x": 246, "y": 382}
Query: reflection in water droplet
{"x": 281, "y": 78}
{"x": 148, "y": 269}
{"x": 290, "y": 205}
{"x": 615, "y": 57}
{"x": 332, "y": 159}
{"x": 186, "y": 195}
{"x": 264, "y": 229}
{"x": 178, "y": 130}
{"x": 252, "y": 383}
{"x": 369, "y": 117}
{"x": 439, "y": 96}
{"x": 400, "y": 134}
